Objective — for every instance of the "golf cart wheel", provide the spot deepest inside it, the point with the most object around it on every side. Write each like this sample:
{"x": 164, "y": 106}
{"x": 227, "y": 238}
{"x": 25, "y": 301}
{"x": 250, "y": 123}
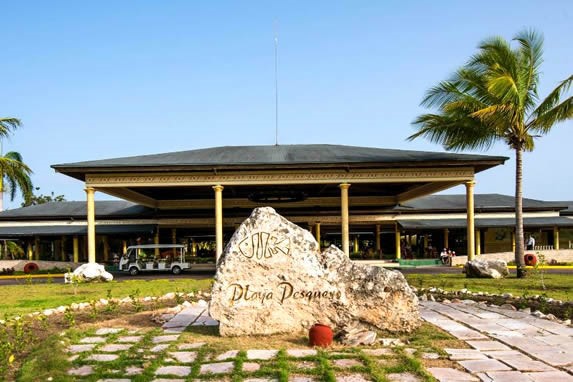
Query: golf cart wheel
{"x": 176, "y": 270}
{"x": 133, "y": 271}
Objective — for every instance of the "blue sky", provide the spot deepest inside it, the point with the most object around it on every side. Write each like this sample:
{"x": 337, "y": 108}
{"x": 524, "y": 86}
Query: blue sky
{"x": 105, "y": 79}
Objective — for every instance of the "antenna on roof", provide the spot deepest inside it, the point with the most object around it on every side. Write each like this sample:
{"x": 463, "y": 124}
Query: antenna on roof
{"x": 276, "y": 85}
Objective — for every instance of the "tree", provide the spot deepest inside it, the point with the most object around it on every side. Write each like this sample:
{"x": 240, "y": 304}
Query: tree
{"x": 13, "y": 171}
{"x": 492, "y": 98}
{"x": 41, "y": 199}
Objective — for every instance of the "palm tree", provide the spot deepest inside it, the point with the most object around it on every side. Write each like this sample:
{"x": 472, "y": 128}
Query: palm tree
{"x": 494, "y": 98}
{"x": 13, "y": 171}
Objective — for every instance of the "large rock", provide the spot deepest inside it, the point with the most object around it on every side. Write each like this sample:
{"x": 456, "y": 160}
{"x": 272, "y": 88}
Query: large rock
{"x": 273, "y": 279}
{"x": 493, "y": 269}
{"x": 88, "y": 272}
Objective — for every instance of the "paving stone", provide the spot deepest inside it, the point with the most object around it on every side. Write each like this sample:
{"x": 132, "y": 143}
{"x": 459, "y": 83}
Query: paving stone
{"x": 464, "y": 354}
{"x": 185, "y": 317}
{"x": 195, "y": 345}
{"x": 519, "y": 361}
{"x": 133, "y": 370}
{"x": 227, "y": 355}
{"x": 487, "y": 345}
{"x": 550, "y": 376}
{"x": 409, "y": 351}
{"x": 403, "y": 377}
{"x": 300, "y": 378}
{"x": 554, "y": 357}
{"x": 379, "y": 352}
{"x": 260, "y": 380}
{"x": 446, "y": 374}
{"x": 217, "y": 368}
{"x": 299, "y": 353}
{"x": 92, "y": 340}
{"x": 261, "y": 354}
{"x": 168, "y": 338}
{"x": 346, "y": 362}
{"x": 180, "y": 371}
{"x": 167, "y": 380}
{"x": 103, "y": 357}
{"x": 80, "y": 348}
{"x": 112, "y": 348}
{"x": 106, "y": 331}
{"x": 351, "y": 378}
{"x": 305, "y": 364}
{"x": 184, "y": 356}
{"x": 159, "y": 348}
{"x": 250, "y": 367}
{"x": 81, "y": 371}
{"x": 483, "y": 365}
{"x": 505, "y": 376}
{"x": 129, "y": 339}
{"x": 73, "y": 358}
{"x": 430, "y": 356}
{"x": 114, "y": 380}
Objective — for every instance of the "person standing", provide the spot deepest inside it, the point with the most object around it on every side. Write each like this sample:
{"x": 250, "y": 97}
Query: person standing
{"x": 531, "y": 242}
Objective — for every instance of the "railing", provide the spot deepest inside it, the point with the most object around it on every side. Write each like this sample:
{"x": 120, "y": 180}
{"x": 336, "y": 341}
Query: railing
{"x": 543, "y": 247}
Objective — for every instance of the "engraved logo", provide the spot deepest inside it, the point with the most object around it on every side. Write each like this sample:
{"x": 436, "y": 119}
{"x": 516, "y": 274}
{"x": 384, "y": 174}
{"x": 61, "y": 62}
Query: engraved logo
{"x": 264, "y": 245}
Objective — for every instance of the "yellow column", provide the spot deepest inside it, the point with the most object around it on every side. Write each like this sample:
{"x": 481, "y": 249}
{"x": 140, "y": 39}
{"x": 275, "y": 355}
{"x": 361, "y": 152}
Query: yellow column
{"x": 377, "y": 241}
{"x": 90, "y": 191}
{"x": 76, "y": 249}
{"x": 30, "y": 251}
{"x": 344, "y": 217}
{"x": 356, "y": 244}
{"x": 317, "y": 233}
{"x": 478, "y": 242}
{"x": 174, "y": 239}
{"x": 512, "y": 241}
{"x": 425, "y": 242}
{"x": 156, "y": 241}
{"x": 63, "y": 249}
{"x": 398, "y": 244}
{"x": 446, "y": 238}
{"x": 193, "y": 247}
{"x": 105, "y": 248}
{"x": 36, "y": 247}
{"x": 470, "y": 219}
{"x": 556, "y": 238}
{"x": 218, "y": 220}
{"x": 123, "y": 247}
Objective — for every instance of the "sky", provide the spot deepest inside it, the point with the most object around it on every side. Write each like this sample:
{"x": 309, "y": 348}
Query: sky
{"x": 106, "y": 79}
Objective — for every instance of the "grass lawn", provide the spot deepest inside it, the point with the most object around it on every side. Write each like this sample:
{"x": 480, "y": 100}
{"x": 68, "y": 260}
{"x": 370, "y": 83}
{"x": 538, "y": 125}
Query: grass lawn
{"x": 558, "y": 286}
{"x": 35, "y": 296}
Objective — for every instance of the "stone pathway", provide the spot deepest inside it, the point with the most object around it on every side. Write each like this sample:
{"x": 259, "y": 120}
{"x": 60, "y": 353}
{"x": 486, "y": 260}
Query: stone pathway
{"x": 506, "y": 345}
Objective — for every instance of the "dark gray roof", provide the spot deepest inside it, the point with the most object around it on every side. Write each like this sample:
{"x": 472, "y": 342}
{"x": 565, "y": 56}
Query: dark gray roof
{"x": 569, "y": 210}
{"x": 557, "y": 221}
{"x": 104, "y": 209}
{"x": 57, "y": 230}
{"x": 280, "y": 155}
{"x": 481, "y": 202}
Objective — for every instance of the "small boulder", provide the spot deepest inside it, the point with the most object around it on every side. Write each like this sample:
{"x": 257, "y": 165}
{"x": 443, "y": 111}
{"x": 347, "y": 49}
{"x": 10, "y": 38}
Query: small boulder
{"x": 494, "y": 269}
{"x": 87, "y": 273}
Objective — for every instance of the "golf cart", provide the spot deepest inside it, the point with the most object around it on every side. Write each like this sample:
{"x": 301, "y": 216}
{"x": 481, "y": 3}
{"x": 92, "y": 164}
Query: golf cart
{"x": 154, "y": 257}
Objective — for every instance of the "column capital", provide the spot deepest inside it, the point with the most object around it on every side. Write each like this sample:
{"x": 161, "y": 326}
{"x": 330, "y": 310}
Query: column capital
{"x": 344, "y": 186}
{"x": 218, "y": 188}
{"x": 470, "y": 183}
{"x": 89, "y": 189}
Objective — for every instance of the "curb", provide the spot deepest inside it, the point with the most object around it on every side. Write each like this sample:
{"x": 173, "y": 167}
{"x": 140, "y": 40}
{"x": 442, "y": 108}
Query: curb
{"x": 37, "y": 276}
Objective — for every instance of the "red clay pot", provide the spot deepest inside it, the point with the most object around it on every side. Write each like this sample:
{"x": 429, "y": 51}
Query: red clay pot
{"x": 530, "y": 259}
{"x": 320, "y": 335}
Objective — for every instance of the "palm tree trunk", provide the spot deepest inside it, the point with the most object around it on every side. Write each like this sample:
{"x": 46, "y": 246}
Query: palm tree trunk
{"x": 519, "y": 239}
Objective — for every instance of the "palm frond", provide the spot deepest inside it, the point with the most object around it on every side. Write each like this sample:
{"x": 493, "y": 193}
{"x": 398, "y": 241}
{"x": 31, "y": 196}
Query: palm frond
{"x": 8, "y": 125}
{"x": 17, "y": 175}
{"x": 553, "y": 98}
{"x": 560, "y": 113}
